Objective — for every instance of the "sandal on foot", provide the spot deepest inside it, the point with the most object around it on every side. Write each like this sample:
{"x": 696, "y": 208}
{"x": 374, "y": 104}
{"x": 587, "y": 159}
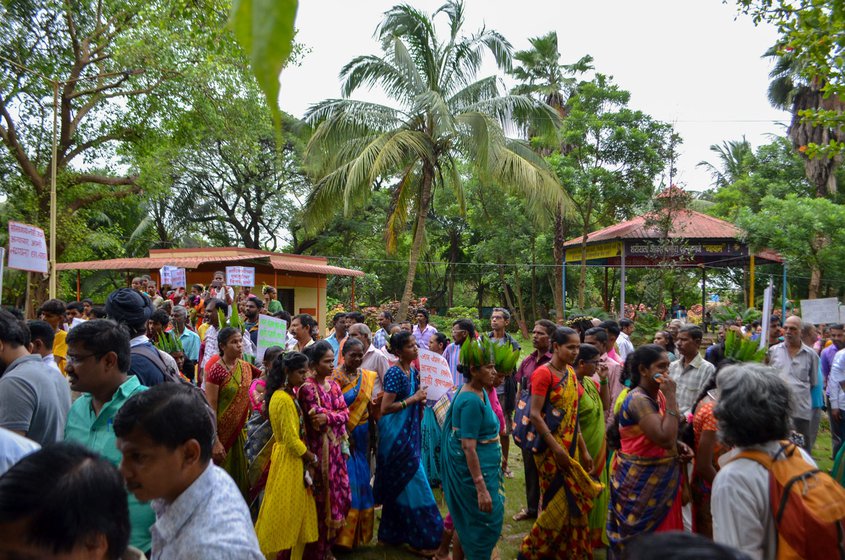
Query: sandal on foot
{"x": 524, "y": 514}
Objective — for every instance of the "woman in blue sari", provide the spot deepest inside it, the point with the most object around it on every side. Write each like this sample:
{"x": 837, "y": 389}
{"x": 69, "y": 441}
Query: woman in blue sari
{"x": 409, "y": 513}
{"x": 357, "y": 386}
{"x": 471, "y": 459}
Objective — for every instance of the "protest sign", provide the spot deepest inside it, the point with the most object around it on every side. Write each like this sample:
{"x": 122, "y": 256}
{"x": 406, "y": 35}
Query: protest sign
{"x": 271, "y": 332}
{"x": 27, "y": 248}
{"x": 173, "y": 276}
{"x": 75, "y": 323}
{"x": 240, "y": 276}
{"x": 435, "y": 374}
{"x": 767, "y": 314}
{"x": 818, "y": 311}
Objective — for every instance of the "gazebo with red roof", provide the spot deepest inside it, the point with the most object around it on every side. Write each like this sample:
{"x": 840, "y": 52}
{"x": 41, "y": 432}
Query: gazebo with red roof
{"x": 671, "y": 233}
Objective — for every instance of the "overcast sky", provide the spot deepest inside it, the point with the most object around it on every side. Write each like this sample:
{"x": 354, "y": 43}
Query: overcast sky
{"x": 691, "y": 63}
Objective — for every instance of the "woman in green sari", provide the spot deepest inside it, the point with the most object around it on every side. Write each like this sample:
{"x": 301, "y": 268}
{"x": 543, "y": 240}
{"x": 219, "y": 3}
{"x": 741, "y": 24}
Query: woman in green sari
{"x": 227, "y": 390}
{"x": 593, "y": 398}
{"x": 471, "y": 456}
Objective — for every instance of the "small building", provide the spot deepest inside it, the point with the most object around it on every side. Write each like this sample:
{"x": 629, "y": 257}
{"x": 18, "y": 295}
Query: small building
{"x": 299, "y": 280}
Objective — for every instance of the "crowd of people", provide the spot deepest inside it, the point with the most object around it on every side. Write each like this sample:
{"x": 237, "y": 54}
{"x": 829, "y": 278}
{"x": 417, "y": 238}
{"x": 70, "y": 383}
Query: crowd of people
{"x": 154, "y": 426}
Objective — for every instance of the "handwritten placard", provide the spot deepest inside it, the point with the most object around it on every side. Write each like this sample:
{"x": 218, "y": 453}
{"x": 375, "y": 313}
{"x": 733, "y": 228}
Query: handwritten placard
{"x": 173, "y": 276}
{"x": 271, "y": 332}
{"x": 240, "y": 276}
{"x": 27, "y": 248}
{"x": 434, "y": 374}
{"x": 818, "y": 311}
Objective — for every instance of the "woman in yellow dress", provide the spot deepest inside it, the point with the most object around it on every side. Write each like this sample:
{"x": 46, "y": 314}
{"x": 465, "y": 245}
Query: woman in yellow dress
{"x": 287, "y": 520}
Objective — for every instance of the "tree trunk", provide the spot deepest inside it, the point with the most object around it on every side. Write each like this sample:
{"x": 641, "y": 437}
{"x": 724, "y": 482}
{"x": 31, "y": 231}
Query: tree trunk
{"x": 416, "y": 246}
{"x": 509, "y": 300}
{"x": 557, "y": 249}
{"x": 534, "y": 311}
{"x": 815, "y": 281}
{"x": 519, "y": 312}
{"x": 582, "y": 280}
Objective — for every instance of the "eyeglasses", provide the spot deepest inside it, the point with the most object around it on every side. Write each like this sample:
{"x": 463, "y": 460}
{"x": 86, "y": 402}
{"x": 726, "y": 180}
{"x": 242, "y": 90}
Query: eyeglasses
{"x": 71, "y": 359}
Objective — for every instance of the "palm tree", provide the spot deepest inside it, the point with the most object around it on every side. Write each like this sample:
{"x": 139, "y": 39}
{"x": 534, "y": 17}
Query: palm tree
{"x": 736, "y": 158}
{"x": 441, "y": 115}
{"x": 541, "y": 75}
{"x": 789, "y": 91}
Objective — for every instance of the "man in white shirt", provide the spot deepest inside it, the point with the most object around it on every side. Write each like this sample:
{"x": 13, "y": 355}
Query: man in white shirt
{"x": 219, "y": 290}
{"x": 374, "y": 360}
{"x": 690, "y": 372}
{"x": 626, "y": 347}
{"x": 165, "y": 435}
{"x": 797, "y": 364}
{"x": 213, "y": 321}
{"x": 41, "y": 336}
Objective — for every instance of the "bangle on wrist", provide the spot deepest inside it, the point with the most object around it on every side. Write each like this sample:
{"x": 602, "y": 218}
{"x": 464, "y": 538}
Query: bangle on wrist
{"x": 674, "y": 413}
{"x": 602, "y": 381}
{"x": 404, "y": 404}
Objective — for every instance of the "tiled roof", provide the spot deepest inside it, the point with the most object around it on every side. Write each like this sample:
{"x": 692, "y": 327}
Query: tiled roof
{"x": 686, "y": 224}
{"x": 157, "y": 259}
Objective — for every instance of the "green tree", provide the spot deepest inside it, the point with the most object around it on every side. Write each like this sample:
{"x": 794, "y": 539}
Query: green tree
{"x": 808, "y": 232}
{"x": 775, "y": 169}
{"x": 442, "y": 115}
{"x": 541, "y": 75}
{"x": 613, "y": 157}
{"x": 120, "y": 64}
{"x": 811, "y": 36}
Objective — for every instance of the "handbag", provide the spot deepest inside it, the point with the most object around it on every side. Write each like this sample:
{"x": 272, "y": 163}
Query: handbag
{"x": 524, "y": 432}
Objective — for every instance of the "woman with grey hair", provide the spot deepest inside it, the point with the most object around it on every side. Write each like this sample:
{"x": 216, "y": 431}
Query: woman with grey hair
{"x": 753, "y": 413}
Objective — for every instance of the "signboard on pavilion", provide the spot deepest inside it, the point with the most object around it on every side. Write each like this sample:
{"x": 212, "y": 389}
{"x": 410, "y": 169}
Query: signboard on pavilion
{"x": 27, "y": 248}
{"x": 672, "y": 248}
{"x": 597, "y": 251}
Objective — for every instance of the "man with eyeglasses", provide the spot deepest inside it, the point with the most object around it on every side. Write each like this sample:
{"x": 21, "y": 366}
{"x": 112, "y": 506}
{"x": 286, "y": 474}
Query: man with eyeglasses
{"x": 98, "y": 360}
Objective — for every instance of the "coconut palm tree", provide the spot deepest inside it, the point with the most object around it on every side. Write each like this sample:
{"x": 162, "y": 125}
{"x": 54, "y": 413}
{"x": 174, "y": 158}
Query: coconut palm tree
{"x": 736, "y": 158}
{"x": 440, "y": 115}
{"x": 540, "y": 74}
{"x": 790, "y": 91}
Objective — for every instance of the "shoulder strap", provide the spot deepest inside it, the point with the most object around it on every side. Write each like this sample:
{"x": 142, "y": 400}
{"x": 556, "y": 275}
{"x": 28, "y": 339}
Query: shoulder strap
{"x": 760, "y": 457}
{"x": 151, "y": 353}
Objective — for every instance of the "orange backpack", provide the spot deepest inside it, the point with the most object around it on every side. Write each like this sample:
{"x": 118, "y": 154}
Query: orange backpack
{"x": 807, "y": 504}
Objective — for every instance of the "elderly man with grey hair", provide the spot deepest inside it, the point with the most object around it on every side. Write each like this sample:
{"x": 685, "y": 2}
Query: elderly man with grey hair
{"x": 189, "y": 339}
{"x": 374, "y": 360}
{"x": 797, "y": 364}
{"x": 753, "y": 409}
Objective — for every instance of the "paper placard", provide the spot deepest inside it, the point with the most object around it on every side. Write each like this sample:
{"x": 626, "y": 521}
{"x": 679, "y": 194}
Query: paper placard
{"x": 842, "y": 313}
{"x": 435, "y": 374}
{"x": 173, "y": 276}
{"x": 75, "y": 323}
{"x": 818, "y": 311}
{"x": 767, "y": 314}
{"x": 271, "y": 332}
{"x": 27, "y": 248}
{"x": 240, "y": 276}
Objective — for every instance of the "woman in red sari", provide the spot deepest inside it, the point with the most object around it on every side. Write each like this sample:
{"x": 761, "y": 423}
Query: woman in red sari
{"x": 645, "y": 486}
{"x": 324, "y": 407}
{"x": 227, "y": 390}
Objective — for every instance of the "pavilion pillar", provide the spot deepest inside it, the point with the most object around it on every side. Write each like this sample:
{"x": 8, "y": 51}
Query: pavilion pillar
{"x": 606, "y": 294}
{"x": 703, "y": 291}
{"x": 751, "y": 282}
{"x": 622, "y": 281}
{"x": 78, "y": 285}
{"x": 352, "y": 295}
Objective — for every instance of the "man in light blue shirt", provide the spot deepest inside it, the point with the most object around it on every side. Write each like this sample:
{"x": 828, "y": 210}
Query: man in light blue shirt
{"x": 98, "y": 358}
{"x": 165, "y": 435}
{"x": 338, "y": 337}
